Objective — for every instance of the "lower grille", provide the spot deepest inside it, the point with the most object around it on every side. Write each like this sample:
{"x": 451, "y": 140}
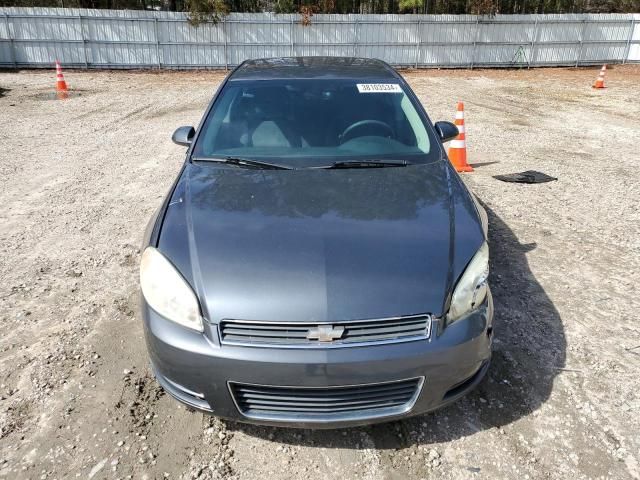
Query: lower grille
{"x": 319, "y": 404}
{"x": 344, "y": 333}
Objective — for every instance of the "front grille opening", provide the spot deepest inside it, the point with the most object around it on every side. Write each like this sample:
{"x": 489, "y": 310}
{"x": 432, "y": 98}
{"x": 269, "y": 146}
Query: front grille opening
{"x": 279, "y": 334}
{"x": 326, "y": 403}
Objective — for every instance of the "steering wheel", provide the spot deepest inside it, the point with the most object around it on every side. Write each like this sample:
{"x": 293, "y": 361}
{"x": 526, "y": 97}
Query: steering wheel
{"x": 348, "y": 133}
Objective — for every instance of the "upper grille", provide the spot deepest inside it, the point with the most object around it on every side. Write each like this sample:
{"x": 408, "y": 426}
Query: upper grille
{"x": 282, "y": 334}
{"x": 325, "y": 403}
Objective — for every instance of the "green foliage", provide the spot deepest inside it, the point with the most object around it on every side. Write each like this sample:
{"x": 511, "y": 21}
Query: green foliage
{"x": 201, "y": 11}
{"x": 483, "y": 7}
{"x": 413, "y": 6}
{"x": 285, "y": 6}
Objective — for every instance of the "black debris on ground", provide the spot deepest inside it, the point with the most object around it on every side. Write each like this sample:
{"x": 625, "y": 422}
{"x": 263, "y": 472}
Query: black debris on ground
{"x": 530, "y": 176}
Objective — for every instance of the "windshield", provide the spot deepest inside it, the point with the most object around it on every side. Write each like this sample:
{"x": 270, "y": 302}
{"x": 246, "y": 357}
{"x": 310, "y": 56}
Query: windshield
{"x": 314, "y": 122}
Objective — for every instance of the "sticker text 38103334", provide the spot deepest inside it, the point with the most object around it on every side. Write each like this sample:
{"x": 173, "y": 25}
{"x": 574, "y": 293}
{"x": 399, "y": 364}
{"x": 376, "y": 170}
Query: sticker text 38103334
{"x": 379, "y": 88}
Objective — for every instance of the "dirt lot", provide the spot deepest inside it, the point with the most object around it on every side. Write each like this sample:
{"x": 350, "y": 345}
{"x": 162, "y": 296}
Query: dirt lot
{"x": 80, "y": 178}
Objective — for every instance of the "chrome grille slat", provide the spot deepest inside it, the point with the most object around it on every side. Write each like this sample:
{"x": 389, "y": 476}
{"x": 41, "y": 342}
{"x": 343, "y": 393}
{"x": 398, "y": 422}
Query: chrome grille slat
{"x": 335, "y": 397}
{"x": 242, "y": 339}
{"x": 315, "y": 410}
{"x": 266, "y": 333}
{"x": 303, "y": 327}
{"x": 326, "y": 403}
{"x": 394, "y": 322}
{"x": 371, "y": 331}
{"x": 380, "y": 336}
{"x": 304, "y": 404}
{"x": 279, "y": 334}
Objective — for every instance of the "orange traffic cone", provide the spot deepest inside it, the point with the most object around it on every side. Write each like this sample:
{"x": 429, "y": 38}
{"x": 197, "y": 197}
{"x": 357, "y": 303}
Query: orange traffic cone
{"x": 599, "y": 83}
{"x": 458, "y": 147}
{"x": 61, "y": 86}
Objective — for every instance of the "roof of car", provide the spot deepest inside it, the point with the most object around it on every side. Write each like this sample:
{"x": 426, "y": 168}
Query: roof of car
{"x": 314, "y": 67}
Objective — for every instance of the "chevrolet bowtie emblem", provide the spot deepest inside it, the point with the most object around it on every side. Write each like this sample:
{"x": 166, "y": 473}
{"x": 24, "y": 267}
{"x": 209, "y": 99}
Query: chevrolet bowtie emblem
{"x": 325, "y": 333}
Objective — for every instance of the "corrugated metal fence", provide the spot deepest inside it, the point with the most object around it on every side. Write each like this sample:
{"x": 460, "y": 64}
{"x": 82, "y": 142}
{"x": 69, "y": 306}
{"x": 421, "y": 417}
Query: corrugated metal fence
{"x": 35, "y": 37}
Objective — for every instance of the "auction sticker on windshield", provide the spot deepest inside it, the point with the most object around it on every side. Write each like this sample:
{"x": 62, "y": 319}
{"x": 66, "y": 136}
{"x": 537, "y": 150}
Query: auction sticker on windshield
{"x": 379, "y": 88}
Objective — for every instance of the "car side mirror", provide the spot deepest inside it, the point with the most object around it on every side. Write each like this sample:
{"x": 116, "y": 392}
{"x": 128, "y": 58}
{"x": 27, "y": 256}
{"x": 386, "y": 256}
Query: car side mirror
{"x": 183, "y": 136}
{"x": 446, "y": 131}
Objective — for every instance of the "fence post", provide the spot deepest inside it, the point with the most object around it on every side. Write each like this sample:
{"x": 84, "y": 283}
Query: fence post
{"x": 628, "y": 47}
{"x": 534, "y": 44}
{"x": 224, "y": 35}
{"x": 157, "y": 34}
{"x": 84, "y": 42}
{"x": 475, "y": 42}
{"x": 12, "y": 51}
{"x": 582, "y": 30}
{"x": 292, "y": 48}
{"x": 355, "y": 43}
{"x": 418, "y": 42}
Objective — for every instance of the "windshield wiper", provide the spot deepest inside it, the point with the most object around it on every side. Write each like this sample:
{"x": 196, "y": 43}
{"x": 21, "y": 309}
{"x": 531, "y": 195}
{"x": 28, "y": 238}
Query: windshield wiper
{"x": 242, "y": 162}
{"x": 367, "y": 164}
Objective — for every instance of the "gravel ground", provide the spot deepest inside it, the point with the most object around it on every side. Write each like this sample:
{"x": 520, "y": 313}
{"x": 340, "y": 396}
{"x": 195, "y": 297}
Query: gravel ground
{"x": 80, "y": 178}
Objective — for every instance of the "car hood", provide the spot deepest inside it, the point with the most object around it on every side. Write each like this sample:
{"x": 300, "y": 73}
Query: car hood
{"x": 320, "y": 245}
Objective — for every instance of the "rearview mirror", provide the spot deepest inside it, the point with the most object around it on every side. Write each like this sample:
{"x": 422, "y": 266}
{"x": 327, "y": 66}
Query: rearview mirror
{"x": 446, "y": 131}
{"x": 183, "y": 136}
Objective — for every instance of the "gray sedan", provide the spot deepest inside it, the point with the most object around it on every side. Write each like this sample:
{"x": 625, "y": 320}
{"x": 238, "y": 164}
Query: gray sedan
{"x": 318, "y": 262}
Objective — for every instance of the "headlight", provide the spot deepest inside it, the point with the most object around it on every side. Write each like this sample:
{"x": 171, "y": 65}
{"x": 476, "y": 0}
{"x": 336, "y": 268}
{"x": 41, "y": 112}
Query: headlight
{"x": 167, "y": 292}
{"x": 471, "y": 289}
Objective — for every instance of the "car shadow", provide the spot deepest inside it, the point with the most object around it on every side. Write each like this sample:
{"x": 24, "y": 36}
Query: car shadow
{"x": 482, "y": 164}
{"x": 529, "y": 351}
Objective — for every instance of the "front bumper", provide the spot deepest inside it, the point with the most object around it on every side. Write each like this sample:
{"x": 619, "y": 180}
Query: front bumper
{"x": 198, "y": 371}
